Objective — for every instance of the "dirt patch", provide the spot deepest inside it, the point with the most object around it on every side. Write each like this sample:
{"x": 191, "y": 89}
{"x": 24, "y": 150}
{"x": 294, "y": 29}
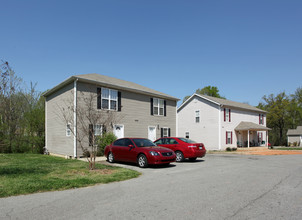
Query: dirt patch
{"x": 271, "y": 152}
{"x": 103, "y": 171}
{"x": 265, "y": 151}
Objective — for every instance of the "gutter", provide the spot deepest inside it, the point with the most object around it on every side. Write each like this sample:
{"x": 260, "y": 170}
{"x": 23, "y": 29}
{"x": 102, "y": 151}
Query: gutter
{"x": 75, "y": 118}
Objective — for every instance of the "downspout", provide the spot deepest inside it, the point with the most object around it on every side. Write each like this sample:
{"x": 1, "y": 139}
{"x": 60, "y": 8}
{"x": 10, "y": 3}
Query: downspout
{"x": 75, "y": 118}
{"x": 219, "y": 128}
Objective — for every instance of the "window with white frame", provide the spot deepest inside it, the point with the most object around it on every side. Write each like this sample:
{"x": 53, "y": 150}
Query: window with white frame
{"x": 197, "y": 116}
{"x": 227, "y": 115}
{"x": 165, "y": 132}
{"x": 261, "y": 119}
{"x": 109, "y": 99}
{"x": 229, "y": 137}
{"x": 68, "y": 130}
{"x": 98, "y": 130}
{"x": 158, "y": 106}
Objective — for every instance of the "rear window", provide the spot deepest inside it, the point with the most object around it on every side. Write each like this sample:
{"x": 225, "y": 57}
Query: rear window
{"x": 187, "y": 140}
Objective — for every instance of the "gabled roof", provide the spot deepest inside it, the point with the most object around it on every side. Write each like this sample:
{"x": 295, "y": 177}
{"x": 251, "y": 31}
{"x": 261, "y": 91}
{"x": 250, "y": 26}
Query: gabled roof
{"x": 245, "y": 125}
{"x": 295, "y": 132}
{"x": 111, "y": 82}
{"x": 223, "y": 103}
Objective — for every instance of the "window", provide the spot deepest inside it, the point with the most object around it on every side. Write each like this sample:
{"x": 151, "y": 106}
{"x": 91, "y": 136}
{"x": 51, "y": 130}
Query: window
{"x": 68, "y": 130}
{"x": 158, "y": 107}
{"x": 261, "y": 119}
{"x": 260, "y": 137}
{"x": 98, "y": 130}
{"x": 197, "y": 117}
{"x": 108, "y": 99}
{"x": 227, "y": 114}
{"x": 229, "y": 137}
{"x": 165, "y": 132}
{"x": 187, "y": 135}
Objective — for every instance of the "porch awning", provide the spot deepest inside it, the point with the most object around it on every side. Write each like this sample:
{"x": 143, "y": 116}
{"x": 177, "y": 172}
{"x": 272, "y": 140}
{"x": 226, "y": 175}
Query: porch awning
{"x": 250, "y": 126}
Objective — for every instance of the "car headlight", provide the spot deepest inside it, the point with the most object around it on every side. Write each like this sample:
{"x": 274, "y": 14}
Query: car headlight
{"x": 153, "y": 153}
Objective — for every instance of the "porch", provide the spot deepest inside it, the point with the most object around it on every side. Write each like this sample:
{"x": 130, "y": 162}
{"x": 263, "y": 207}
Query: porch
{"x": 250, "y": 134}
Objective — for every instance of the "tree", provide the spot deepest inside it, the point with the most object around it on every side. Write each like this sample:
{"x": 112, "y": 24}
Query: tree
{"x": 21, "y": 114}
{"x": 91, "y": 123}
{"x": 208, "y": 90}
{"x": 278, "y": 117}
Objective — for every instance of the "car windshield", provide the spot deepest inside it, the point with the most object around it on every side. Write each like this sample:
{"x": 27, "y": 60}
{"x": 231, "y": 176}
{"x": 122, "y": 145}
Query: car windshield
{"x": 187, "y": 140}
{"x": 143, "y": 142}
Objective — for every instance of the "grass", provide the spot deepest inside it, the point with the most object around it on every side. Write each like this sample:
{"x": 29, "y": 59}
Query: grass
{"x": 289, "y": 148}
{"x": 31, "y": 173}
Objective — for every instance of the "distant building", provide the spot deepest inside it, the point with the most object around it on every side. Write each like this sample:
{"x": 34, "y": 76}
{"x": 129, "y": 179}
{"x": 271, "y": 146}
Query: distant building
{"x": 221, "y": 123}
{"x": 294, "y": 135}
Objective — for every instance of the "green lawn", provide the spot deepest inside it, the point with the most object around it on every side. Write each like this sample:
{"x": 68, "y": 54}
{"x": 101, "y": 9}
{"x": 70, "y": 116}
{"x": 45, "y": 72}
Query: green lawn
{"x": 30, "y": 173}
{"x": 289, "y": 148}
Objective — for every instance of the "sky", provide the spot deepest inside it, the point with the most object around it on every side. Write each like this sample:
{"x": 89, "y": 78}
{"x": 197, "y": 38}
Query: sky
{"x": 246, "y": 48}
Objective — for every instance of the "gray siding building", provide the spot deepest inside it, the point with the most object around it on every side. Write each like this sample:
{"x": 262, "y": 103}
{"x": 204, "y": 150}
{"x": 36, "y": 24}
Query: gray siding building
{"x": 138, "y": 111}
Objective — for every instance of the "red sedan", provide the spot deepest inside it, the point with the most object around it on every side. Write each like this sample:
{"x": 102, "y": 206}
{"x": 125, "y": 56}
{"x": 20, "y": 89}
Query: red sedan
{"x": 183, "y": 147}
{"x": 138, "y": 150}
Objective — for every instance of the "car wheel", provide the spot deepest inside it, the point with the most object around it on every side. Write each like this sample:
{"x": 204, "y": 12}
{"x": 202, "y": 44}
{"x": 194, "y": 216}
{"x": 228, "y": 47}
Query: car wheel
{"x": 179, "y": 156}
{"x": 142, "y": 161}
{"x": 110, "y": 157}
{"x": 192, "y": 158}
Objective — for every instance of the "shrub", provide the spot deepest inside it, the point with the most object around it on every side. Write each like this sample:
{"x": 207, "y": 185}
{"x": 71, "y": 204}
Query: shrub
{"x": 228, "y": 149}
{"x": 295, "y": 144}
{"x": 103, "y": 141}
{"x": 234, "y": 148}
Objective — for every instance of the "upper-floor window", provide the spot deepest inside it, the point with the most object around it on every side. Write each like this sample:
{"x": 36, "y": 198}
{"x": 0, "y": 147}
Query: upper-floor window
{"x": 261, "y": 119}
{"x": 227, "y": 114}
{"x": 197, "y": 116}
{"x": 109, "y": 99}
{"x": 158, "y": 107}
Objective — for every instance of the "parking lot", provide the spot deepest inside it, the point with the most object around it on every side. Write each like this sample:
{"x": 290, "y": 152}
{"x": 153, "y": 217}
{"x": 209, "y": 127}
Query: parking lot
{"x": 219, "y": 186}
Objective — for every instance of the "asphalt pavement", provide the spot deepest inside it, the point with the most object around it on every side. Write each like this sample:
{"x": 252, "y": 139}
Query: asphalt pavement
{"x": 218, "y": 186}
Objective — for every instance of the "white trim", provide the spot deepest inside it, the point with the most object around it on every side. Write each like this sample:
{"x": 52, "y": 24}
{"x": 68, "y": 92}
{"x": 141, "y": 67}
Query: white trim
{"x": 75, "y": 118}
{"x": 219, "y": 128}
{"x": 46, "y": 130}
{"x": 200, "y": 96}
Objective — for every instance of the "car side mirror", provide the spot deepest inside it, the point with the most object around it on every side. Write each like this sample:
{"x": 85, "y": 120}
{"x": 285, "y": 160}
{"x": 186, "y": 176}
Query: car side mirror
{"x": 130, "y": 146}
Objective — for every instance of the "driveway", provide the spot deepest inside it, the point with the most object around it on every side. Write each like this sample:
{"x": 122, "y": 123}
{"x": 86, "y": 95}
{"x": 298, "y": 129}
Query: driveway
{"x": 218, "y": 187}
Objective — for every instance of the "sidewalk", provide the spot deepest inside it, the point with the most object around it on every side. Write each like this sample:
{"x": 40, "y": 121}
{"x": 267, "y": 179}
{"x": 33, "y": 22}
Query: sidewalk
{"x": 97, "y": 159}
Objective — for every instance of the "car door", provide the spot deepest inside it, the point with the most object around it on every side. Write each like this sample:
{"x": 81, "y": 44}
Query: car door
{"x": 129, "y": 151}
{"x": 171, "y": 143}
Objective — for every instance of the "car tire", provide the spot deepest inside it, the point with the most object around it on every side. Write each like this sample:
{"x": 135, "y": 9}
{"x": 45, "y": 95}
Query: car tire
{"x": 179, "y": 156}
{"x": 142, "y": 161}
{"x": 110, "y": 157}
{"x": 192, "y": 158}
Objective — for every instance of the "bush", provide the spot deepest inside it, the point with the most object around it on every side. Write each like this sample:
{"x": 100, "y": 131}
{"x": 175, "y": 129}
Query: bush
{"x": 295, "y": 144}
{"x": 234, "y": 148}
{"x": 228, "y": 149}
{"x": 103, "y": 141}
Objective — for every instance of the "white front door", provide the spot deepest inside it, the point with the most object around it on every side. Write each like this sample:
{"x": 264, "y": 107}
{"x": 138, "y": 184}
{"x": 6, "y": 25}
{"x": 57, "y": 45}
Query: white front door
{"x": 118, "y": 131}
{"x": 152, "y": 133}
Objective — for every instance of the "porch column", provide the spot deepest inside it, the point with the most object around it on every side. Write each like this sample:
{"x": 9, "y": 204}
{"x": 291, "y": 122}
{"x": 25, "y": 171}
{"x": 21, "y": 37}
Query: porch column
{"x": 248, "y": 138}
{"x": 266, "y": 143}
